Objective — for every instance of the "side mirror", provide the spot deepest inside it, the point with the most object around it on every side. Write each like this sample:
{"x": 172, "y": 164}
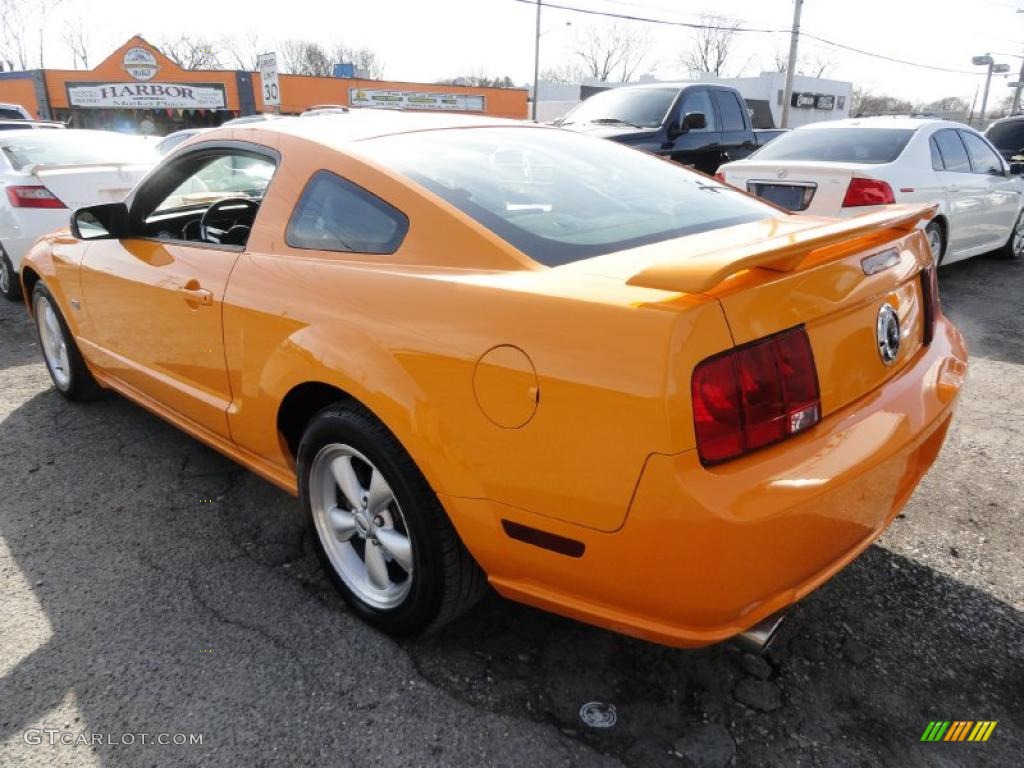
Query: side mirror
{"x": 695, "y": 121}
{"x": 108, "y": 221}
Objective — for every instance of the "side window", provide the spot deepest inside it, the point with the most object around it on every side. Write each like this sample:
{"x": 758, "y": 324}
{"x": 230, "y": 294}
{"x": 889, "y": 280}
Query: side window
{"x": 936, "y": 155}
{"x": 732, "y": 112}
{"x": 699, "y": 101}
{"x": 334, "y": 214}
{"x": 983, "y": 159}
{"x": 954, "y": 156}
{"x": 223, "y": 176}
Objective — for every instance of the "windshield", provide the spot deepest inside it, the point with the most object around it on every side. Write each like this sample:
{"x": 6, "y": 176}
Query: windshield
{"x": 1008, "y": 136}
{"x": 640, "y": 107}
{"x": 28, "y": 148}
{"x": 559, "y": 197}
{"x": 838, "y": 145}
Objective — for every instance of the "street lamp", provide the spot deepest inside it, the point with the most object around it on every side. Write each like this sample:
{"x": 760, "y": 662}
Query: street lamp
{"x": 1001, "y": 69}
{"x": 536, "y": 61}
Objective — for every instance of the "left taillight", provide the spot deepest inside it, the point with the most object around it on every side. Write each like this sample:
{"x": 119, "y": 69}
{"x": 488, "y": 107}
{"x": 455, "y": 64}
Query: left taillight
{"x": 36, "y": 196}
{"x": 755, "y": 395}
{"x": 868, "y": 192}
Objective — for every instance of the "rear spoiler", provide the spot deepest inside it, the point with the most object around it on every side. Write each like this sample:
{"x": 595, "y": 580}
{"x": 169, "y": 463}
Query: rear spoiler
{"x": 785, "y": 253}
{"x": 44, "y": 168}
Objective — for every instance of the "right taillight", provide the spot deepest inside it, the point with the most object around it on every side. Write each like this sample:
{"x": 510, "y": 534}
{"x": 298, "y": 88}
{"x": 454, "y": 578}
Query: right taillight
{"x": 23, "y": 196}
{"x": 930, "y": 300}
{"x": 755, "y": 395}
{"x": 868, "y": 192}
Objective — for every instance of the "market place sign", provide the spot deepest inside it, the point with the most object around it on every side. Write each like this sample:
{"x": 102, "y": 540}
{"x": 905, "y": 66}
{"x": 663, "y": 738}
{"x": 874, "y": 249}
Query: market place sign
{"x": 146, "y": 95}
{"x": 363, "y": 97}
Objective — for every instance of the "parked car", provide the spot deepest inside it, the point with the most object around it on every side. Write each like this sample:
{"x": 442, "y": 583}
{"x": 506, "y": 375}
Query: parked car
{"x": 847, "y": 167}
{"x": 483, "y": 350}
{"x": 47, "y": 174}
{"x": 14, "y": 112}
{"x": 21, "y": 125}
{"x": 696, "y": 124}
{"x": 172, "y": 140}
{"x": 1007, "y": 136}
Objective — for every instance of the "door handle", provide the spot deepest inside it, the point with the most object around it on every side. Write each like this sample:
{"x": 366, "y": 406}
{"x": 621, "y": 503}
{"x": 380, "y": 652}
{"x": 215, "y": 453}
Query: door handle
{"x": 193, "y": 294}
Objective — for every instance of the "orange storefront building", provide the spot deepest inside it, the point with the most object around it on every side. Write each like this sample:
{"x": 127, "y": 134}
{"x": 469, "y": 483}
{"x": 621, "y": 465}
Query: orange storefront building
{"x": 138, "y": 88}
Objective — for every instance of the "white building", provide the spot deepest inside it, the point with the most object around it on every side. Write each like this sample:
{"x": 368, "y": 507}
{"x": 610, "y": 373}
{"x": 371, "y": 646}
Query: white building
{"x": 814, "y": 98}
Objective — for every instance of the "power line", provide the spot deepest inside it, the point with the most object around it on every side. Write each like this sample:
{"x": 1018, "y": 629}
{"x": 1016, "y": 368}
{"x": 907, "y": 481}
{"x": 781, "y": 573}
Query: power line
{"x": 741, "y": 29}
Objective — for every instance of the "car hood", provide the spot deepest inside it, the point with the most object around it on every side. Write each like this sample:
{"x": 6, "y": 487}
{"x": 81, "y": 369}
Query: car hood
{"x": 610, "y": 131}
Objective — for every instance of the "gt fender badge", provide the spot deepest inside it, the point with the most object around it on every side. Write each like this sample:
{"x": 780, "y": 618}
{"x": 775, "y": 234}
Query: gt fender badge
{"x": 887, "y": 333}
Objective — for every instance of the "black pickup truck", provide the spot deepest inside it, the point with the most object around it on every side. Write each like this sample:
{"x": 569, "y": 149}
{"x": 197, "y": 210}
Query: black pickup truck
{"x": 697, "y": 124}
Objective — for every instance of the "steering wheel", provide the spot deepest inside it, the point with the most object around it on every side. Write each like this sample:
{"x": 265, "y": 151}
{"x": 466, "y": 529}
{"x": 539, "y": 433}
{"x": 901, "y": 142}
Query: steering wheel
{"x": 209, "y": 234}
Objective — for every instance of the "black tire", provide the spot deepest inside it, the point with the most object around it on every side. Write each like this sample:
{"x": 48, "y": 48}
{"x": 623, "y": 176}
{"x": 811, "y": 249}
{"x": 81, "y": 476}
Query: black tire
{"x": 10, "y": 285}
{"x": 446, "y": 581}
{"x": 1008, "y": 251}
{"x": 935, "y": 232}
{"x": 79, "y": 384}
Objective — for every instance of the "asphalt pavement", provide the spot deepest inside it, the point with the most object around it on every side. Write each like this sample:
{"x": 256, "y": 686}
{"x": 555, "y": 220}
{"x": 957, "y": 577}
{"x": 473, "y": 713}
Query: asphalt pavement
{"x": 151, "y": 590}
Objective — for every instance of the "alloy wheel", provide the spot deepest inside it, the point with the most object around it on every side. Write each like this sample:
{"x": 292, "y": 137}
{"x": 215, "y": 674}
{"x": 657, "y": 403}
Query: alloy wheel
{"x": 1018, "y": 237}
{"x": 361, "y": 526}
{"x": 55, "y": 347}
{"x": 5, "y": 275}
{"x": 935, "y": 242}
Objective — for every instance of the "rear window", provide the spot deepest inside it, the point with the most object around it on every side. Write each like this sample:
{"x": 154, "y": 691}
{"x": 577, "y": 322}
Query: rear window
{"x": 334, "y": 214}
{"x": 954, "y": 156}
{"x": 1008, "y": 136}
{"x": 27, "y": 148}
{"x": 559, "y": 197}
{"x": 11, "y": 114}
{"x": 839, "y": 145}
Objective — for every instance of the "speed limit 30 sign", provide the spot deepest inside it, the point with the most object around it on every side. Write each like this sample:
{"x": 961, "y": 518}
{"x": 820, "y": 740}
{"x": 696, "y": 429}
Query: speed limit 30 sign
{"x": 268, "y": 76}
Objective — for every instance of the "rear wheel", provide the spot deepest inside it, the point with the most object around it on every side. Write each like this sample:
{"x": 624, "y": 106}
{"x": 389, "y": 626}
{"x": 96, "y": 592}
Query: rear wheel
{"x": 381, "y": 533}
{"x": 936, "y": 235}
{"x": 64, "y": 362}
{"x": 10, "y": 287}
{"x": 1014, "y": 248}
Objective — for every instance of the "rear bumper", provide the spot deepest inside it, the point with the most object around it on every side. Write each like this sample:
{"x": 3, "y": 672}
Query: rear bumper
{"x": 706, "y": 553}
{"x": 20, "y": 231}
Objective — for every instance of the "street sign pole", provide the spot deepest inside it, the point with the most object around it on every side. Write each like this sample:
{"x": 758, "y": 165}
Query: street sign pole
{"x": 271, "y": 89}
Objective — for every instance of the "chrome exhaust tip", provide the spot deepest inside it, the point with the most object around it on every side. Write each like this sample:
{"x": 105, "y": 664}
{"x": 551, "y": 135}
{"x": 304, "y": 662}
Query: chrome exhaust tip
{"x": 760, "y": 636}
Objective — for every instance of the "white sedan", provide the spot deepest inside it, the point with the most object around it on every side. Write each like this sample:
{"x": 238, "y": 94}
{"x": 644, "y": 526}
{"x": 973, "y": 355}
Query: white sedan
{"x": 846, "y": 167}
{"x": 46, "y": 175}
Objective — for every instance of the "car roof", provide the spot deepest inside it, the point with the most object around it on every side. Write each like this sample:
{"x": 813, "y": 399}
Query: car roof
{"x": 882, "y": 121}
{"x": 336, "y": 130}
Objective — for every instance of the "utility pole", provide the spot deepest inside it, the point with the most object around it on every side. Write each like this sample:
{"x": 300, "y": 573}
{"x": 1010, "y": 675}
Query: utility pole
{"x": 536, "y": 66}
{"x": 1016, "y": 90}
{"x": 984, "y": 95}
{"x": 794, "y": 39}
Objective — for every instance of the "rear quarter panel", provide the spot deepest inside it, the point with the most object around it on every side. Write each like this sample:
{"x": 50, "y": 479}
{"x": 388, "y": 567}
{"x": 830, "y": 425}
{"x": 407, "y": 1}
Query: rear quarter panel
{"x": 405, "y": 338}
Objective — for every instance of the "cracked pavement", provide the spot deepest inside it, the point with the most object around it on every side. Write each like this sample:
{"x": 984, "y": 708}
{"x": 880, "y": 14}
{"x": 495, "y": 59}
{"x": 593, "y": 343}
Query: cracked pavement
{"x": 148, "y": 585}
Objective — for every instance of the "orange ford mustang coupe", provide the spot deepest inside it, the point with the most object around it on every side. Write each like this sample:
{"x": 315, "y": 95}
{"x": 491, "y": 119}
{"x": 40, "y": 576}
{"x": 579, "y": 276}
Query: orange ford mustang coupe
{"x": 485, "y": 351}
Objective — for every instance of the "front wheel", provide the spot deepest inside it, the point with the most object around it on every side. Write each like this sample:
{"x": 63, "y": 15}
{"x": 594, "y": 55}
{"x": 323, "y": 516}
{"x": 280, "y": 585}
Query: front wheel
{"x": 64, "y": 362}
{"x": 381, "y": 532}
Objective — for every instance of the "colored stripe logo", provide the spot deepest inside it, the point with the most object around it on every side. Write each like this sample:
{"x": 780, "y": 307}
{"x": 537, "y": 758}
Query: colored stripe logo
{"x": 959, "y": 730}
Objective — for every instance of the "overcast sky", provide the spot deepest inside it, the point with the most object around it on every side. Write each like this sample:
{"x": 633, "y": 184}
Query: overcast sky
{"x": 430, "y": 39}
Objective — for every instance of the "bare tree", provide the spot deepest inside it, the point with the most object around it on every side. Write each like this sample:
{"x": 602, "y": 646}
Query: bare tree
{"x": 607, "y": 51}
{"x": 569, "y": 73}
{"x": 190, "y": 52}
{"x": 950, "y": 104}
{"x": 363, "y": 58}
{"x": 77, "y": 41}
{"x": 863, "y": 102}
{"x": 711, "y": 45}
{"x": 811, "y": 66}
{"x": 22, "y": 25}
{"x": 480, "y": 80}
{"x": 304, "y": 57}
{"x": 244, "y": 51}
